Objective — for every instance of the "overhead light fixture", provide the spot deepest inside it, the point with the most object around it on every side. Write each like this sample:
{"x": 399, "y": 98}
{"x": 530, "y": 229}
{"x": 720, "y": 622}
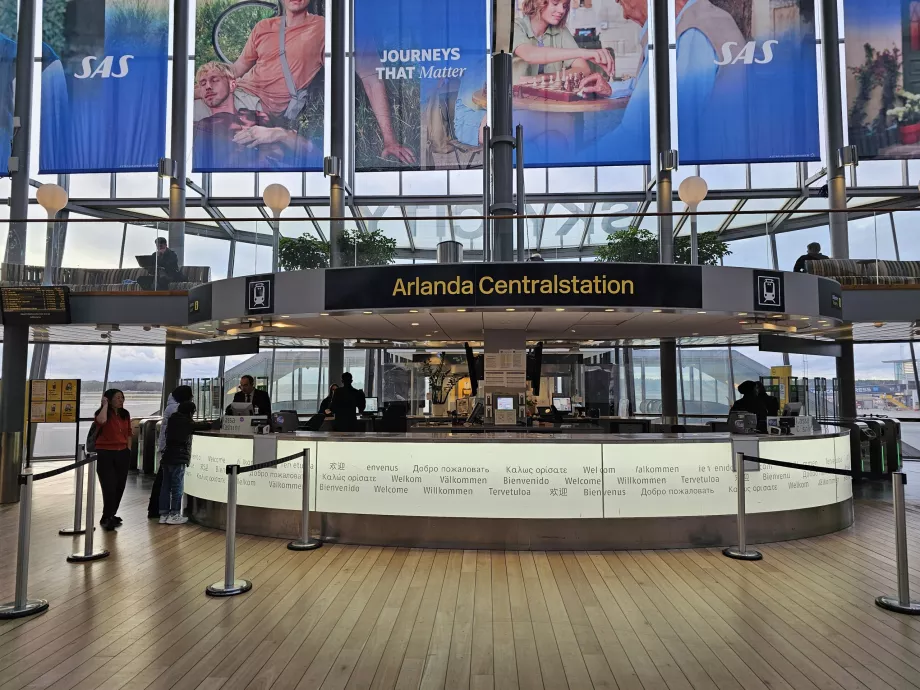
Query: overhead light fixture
{"x": 415, "y": 324}
{"x": 742, "y": 313}
{"x": 368, "y": 312}
{"x": 701, "y": 312}
{"x": 656, "y": 311}
{"x": 510, "y": 309}
{"x": 743, "y": 322}
{"x": 285, "y": 316}
{"x": 694, "y": 334}
{"x": 560, "y": 309}
{"x": 777, "y": 316}
{"x": 609, "y": 309}
{"x": 461, "y": 310}
{"x": 324, "y": 314}
{"x": 428, "y": 335}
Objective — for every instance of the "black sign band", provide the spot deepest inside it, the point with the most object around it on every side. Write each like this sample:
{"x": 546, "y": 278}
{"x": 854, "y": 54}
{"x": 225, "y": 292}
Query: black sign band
{"x": 531, "y": 284}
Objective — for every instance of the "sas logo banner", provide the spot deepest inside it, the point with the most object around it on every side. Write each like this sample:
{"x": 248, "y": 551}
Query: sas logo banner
{"x": 103, "y": 85}
{"x": 747, "y": 81}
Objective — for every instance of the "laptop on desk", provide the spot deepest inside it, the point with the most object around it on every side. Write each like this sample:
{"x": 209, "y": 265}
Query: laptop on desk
{"x": 146, "y": 261}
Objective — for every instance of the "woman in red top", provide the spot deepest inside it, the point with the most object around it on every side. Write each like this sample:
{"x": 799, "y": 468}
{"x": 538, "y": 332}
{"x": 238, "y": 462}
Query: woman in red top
{"x": 113, "y": 444}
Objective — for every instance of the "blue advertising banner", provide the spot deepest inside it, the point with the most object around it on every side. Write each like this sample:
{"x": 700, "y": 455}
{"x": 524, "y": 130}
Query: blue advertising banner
{"x": 420, "y": 96}
{"x": 747, "y": 81}
{"x": 258, "y": 107}
{"x": 103, "y": 85}
{"x": 8, "y": 30}
{"x": 581, "y": 81}
{"x": 883, "y": 77}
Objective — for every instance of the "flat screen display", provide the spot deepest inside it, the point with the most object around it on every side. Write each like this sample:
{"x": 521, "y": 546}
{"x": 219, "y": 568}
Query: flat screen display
{"x": 370, "y": 405}
{"x": 504, "y": 404}
{"x": 36, "y": 305}
{"x": 563, "y": 404}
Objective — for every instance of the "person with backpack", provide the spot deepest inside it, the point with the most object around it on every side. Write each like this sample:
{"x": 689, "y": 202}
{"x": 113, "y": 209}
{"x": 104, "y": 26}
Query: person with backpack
{"x": 176, "y": 457}
{"x": 180, "y": 395}
{"x": 111, "y": 438}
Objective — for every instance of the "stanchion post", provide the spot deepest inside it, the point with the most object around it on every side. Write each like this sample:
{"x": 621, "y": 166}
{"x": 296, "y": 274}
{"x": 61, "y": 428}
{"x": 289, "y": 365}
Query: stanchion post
{"x": 23, "y": 606}
{"x": 77, "y": 497}
{"x": 89, "y": 553}
{"x": 230, "y": 586}
{"x": 305, "y": 543}
{"x": 741, "y": 552}
{"x": 901, "y": 603}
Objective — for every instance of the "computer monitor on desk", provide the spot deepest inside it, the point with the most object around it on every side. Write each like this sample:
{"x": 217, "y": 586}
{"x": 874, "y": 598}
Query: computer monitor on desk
{"x": 241, "y": 409}
{"x": 371, "y": 406}
{"x": 792, "y": 409}
{"x": 563, "y": 404}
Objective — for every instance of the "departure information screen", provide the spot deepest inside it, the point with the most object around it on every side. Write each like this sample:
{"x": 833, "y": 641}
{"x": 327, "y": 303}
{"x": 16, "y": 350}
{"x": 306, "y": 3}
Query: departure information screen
{"x": 35, "y": 305}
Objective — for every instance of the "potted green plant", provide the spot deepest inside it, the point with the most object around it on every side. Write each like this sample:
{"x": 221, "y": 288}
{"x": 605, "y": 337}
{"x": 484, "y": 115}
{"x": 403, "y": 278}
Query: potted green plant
{"x": 908, "y": 117}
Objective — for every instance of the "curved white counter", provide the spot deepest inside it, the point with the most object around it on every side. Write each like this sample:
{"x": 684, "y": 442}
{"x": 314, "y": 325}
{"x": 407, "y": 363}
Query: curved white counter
{"x": 523, "y": 477}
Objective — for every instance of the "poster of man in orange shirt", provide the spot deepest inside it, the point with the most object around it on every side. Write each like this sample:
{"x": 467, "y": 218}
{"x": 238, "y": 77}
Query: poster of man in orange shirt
{"x": 259, "y": 107}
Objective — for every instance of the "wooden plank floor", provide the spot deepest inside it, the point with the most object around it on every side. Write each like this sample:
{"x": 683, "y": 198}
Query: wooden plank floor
{"x": 350, "y": 617}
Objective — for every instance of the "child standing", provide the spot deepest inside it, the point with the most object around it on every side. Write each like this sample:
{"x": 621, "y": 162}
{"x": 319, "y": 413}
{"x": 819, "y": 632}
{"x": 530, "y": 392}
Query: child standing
{"x": 176, "y": 457}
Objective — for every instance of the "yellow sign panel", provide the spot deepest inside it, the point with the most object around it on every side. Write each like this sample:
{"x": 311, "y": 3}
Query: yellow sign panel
{"x": 53, "y": 411}
{"x": 54, "y": 390}
{"x": 37, "y": 412}
{"x": 39, "y": 391}
{"x": 68, "y": 411}
{"x": 69, "y": 389}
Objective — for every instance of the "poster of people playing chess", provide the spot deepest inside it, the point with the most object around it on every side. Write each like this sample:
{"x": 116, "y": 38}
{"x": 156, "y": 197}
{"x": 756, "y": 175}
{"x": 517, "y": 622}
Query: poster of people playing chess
{"x": 581, "y": 81}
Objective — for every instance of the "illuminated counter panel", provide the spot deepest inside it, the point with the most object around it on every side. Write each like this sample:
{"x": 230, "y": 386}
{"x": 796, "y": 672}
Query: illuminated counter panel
{"x": 526, "y": 491}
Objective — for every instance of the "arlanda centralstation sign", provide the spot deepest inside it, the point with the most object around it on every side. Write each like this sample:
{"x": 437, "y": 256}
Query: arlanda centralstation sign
{"x": 534, "y": 284}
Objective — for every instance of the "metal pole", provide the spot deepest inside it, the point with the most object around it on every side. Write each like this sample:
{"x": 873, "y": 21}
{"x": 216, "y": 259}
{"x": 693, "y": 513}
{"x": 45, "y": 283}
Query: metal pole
{"x": 338, "y": 117}
{"x": 521, "y": 200}
{"x": 694, "y": 243}
{"x": 305, "y": 543}
{"x": 178, "y": 130}
{"x": 662, "y": 67}
{"x": 741, "y": 552}
{"x": 22, "y": 605}
{"x": 22, "y": 135}
{"x": 486, "y": 193}
{"x": 78, "y": 498}
{"x": 503, "y": 149}
{"x": 901, "y": 603}
{"x": 276, "y": 241}
{"x": 89, "y": 554}
{"x": 833, "y": 112}
{"x": 230, "y": 586}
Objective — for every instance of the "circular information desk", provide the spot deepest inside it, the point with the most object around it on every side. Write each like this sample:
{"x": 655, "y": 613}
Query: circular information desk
{"x": 525, "y": 491}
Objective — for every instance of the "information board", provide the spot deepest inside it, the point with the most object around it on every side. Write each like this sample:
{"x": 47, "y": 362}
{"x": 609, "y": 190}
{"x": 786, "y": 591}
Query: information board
{"x": 35, "y": 305}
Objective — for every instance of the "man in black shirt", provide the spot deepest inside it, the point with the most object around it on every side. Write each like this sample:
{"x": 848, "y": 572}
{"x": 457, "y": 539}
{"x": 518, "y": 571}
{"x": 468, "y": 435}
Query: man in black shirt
{"x": 814, "y": 254}
{"x": 346, "y": 402}
{"x": 248, "y": 393}
{"x": 167, "y": 268}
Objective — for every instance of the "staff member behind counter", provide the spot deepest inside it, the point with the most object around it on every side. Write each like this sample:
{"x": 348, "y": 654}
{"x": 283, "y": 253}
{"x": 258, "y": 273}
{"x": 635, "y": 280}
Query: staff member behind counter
{"x": 346, "y": 402}
{"x": 248, "y": 393}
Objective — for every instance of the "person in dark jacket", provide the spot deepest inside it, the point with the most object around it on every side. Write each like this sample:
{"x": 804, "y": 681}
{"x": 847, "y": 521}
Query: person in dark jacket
{"x": 771, "y": 403}
{"x": 167, "y": 268}
{"x": 176, "y": 457}
{"x": 750, "y": 402}
{"x": 814, "y": 254}
{"x": 324, "y": 405}
{"x": 248, "y": 393}
{"x": 177, "y": 397}
{"x": 346, "y": 402}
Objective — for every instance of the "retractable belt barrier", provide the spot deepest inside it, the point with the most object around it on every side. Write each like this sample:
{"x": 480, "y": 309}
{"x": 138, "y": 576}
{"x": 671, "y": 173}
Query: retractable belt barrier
{"x": 23, "y": 606}
{"x": 230, "y": 586}
{"x": 902, "y": 602}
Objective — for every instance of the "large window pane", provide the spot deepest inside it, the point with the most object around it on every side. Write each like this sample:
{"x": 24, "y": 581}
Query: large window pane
{"x": 138, "y": 372}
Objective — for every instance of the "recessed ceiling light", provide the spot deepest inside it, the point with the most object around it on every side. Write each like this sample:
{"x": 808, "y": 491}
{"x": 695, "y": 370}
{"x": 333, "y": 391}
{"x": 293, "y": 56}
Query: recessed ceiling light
{"x": 368, "y": 312}
{"x": 317, "y": 336}
{"x": 694, "y": 334}
{"x": 824, "y": 322}
{"x": 803, "y": 318}
{"x": 324, "y": 314}
{"x": 656, "y": 311}
{"x": 428, "y": 335}
{"x": 701, "y": 312}
{"x": 285, "y": 316}
{"x": 560, "y": 309}
{"x": 510, "y": 309}
{"x": 777, "y": 316}
{"x": 609, "y": 309}
{"x": 742, "y": 322}
{"x": 415, "y": 324}
{"x": 461, "y": 310}
{"x": 413, "y": 311}
{"x": 573, "y": 330}
{"x": 742, "y": 313}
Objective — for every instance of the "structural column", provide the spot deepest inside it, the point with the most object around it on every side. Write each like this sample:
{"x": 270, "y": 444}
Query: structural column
{"x": 502, "y": 159}
{"x": 663, "y": 131}
{"x": 669, "y": 380}
{"x": 19, "y": 194}
{"x": 846, "y": 379}
{"x": 335, "y": 167}
{"x": 12, "y": 407}
{"x": 178, "y": 130}
{"x": 172, "y": 373}
{"x": 833, "y": 111}
{"x": 336, "y": 361}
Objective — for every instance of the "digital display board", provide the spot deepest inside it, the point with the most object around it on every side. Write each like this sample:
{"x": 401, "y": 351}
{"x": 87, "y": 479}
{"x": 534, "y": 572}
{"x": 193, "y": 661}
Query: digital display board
{"x": 35, "y": 305}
